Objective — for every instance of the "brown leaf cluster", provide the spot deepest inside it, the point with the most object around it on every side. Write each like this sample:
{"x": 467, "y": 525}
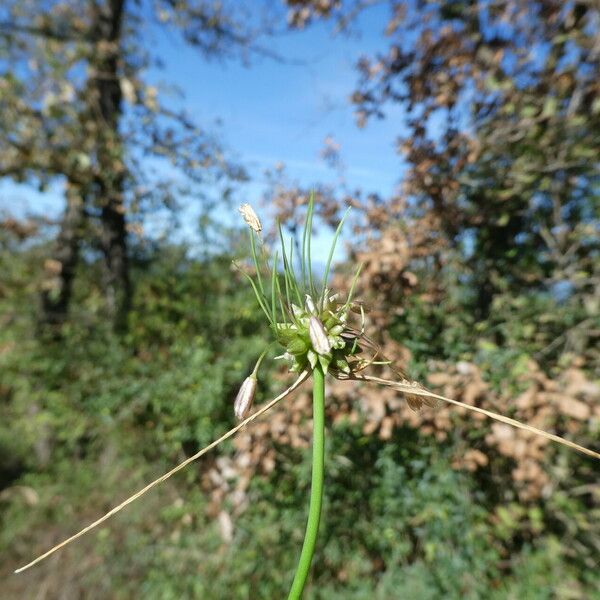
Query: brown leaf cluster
{"x": 566, "y": 406}
{"x": 522, "y": 140}
{"x": 301, "y": 12}
{"x": 289, "y": 200}
{"x": 20, "y": 229}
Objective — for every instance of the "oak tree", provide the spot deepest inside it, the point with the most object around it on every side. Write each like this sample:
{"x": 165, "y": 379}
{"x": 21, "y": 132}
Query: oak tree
{"x": 79, "y": 106}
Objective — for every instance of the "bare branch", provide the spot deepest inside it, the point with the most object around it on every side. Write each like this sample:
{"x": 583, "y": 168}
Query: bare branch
{"x": 8, "y": 30}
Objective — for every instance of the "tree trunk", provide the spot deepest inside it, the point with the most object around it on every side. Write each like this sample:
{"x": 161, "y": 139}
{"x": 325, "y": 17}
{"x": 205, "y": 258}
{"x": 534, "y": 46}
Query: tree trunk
{"x": 117, "y": 283}
{"x": 60, "y": 268}
{"x": 106, "y": 108}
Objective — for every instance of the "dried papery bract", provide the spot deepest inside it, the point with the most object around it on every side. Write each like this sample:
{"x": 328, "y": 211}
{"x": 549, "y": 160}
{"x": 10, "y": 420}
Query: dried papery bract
{"x": 407, "y": 388}
{"x": 250, "y": 217}
{"x": 299, "y": 381}
{"x": 244, "y": 398}
{"x": 318, "y": 336}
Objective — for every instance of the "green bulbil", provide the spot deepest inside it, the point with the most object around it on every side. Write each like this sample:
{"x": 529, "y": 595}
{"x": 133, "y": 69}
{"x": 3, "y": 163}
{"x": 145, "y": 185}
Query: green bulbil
{"x": 296, "y": 337}
{"x": 298, "y": 346}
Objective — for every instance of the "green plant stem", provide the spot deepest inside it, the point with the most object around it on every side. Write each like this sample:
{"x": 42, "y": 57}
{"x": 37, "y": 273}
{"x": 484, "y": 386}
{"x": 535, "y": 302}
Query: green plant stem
{"x": 316, "y": 489}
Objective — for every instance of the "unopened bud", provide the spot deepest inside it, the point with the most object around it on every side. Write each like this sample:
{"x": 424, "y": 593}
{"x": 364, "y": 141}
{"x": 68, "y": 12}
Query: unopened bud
{"x": 297, "y": 346}
{"x": 318, "y": 336}
{"x": 250, "y": 217}
{"x": 244, "y": 398}
{"x": 359, "y": 307}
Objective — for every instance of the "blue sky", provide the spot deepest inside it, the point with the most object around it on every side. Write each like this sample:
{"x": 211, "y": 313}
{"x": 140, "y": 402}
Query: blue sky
{"x": 270, "y": 112}
{"x": 282, "y": 112}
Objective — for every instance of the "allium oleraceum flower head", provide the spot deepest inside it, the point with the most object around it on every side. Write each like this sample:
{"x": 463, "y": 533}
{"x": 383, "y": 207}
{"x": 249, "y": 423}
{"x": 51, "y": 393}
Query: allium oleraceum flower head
{"x": 307, "y": 319}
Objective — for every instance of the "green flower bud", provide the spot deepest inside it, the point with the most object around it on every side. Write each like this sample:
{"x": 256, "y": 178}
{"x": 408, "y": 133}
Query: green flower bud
{"x": 324, "y": 361}
{"x": 297, "y": 346}
{"x": 285, "y": 333}
{"x": 330, "y": 322}
{"x": 341, "y": 364}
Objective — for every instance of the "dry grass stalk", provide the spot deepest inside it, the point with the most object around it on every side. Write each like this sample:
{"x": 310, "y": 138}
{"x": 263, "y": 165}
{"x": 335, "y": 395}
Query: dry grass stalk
{"x": 301, "y": 379}
{"x": 418, "y": 391}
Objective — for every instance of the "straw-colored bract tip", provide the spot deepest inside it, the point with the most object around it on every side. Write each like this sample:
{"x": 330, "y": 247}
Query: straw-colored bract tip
{"x": 250, "y": 217}
{"x": 404, "y": 387}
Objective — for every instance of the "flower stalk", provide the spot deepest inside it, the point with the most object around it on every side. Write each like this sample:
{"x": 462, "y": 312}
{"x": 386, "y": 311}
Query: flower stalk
{"x": 316, "y": 487}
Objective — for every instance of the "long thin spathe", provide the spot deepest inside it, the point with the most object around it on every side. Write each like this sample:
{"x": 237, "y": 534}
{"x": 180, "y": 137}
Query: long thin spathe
{"x": 166, "y": 476}
{"x": 417, "y": 391}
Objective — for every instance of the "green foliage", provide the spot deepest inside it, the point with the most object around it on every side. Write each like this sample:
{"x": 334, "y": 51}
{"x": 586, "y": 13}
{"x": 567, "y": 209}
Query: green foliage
{"x": 502, "y": 190}
{"x": 90, "y": 417}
